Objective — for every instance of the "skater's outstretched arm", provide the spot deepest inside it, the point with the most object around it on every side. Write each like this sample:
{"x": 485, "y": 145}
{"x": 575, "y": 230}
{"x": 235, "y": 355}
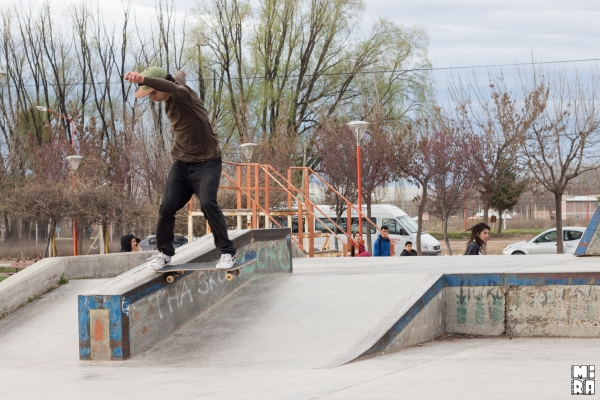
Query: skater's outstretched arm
{"x": 177, "y": 92}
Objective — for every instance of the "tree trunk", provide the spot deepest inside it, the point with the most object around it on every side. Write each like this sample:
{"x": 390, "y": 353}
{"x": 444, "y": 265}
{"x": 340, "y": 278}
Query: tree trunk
{"x": 446, "y": 238}
{"x": 80, "y": 236}
{"x": 500, "y": 222}
{"x": 486, "y": 206}
{"x": 50, "y": 246}
{"x": 559, "y": 224}
{"x": 20, "y": 239}
{"x": 421, "y": 210}
{"x": 338, "y": 216}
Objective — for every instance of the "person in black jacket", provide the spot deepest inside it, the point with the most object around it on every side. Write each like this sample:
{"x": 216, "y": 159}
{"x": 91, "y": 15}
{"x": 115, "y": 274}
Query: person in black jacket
{"x": 130, "y": 243}
{"x": 480, "y": 234}
{"x": 408, "y": 251}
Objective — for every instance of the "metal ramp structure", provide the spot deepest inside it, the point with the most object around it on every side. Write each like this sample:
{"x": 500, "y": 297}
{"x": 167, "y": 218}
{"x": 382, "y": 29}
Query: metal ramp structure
{"x": 589, "y": 245}
{"x": 267, "y": 199}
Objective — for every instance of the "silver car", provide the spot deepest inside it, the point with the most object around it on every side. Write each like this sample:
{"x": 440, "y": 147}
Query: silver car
{"x": 545, "y": 242}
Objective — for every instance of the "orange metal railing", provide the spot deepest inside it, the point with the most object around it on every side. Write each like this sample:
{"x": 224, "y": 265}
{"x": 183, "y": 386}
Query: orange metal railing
{"x": 251, "y": 188}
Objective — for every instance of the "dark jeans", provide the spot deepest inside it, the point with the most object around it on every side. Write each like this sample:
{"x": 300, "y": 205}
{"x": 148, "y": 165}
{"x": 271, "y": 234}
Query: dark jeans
{"x": 183, "y": 181}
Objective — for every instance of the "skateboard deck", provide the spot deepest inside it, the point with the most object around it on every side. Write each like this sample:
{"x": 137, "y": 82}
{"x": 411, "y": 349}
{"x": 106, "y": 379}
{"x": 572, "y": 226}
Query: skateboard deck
{"x": 178, "y": 269}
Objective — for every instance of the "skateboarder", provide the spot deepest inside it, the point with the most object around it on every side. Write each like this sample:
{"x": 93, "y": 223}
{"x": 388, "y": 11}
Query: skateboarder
{"x": 196, "y": 162}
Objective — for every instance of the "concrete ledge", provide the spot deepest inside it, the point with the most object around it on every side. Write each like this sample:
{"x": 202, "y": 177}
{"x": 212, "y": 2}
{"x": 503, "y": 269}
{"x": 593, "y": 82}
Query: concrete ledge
{"x": 134, "y": 311}
{"x": 45, "y": 275}
{"x": 534, "y": 304}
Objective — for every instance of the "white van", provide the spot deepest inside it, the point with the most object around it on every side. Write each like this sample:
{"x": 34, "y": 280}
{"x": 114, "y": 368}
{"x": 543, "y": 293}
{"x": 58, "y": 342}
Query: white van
{"x": 402, "y": 227}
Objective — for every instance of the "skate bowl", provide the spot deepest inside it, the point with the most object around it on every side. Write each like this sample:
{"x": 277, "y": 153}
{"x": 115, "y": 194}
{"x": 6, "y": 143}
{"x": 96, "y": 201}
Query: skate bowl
{"x": 331, "y": 312}
{"x": 135, "y": 310}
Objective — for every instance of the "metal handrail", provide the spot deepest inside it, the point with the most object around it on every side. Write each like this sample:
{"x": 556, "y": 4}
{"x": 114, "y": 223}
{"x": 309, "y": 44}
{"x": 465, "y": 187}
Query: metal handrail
{"x": 340, "y": 195}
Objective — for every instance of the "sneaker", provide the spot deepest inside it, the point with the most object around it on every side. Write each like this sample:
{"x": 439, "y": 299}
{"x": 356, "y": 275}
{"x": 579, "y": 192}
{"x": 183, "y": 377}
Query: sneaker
{"x": 158, "y": 261}
{"x": 227, "y": 261}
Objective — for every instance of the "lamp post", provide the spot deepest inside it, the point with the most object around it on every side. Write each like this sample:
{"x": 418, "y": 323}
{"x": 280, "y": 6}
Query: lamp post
{"x": 74, "y": 162}
{"x": 248, "y": 150}
{"x": 359, "y": 128}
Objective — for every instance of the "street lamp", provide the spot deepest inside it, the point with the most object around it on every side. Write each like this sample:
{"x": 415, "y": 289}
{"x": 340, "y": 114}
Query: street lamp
{"x": 359, "y": 128}
{"x": 248, "y": 150}
{"x": 74, "y": 162}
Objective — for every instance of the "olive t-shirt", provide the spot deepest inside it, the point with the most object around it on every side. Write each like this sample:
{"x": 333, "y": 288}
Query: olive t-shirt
{"x": 195, "y": 140}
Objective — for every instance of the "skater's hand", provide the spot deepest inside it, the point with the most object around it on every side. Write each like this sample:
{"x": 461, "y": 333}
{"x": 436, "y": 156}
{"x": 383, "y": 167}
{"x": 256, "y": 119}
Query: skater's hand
{"x": 134, "y": 77}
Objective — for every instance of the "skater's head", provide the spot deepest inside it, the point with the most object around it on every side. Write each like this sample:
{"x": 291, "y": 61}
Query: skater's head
{"x": 154, "y": 95}
{"x": 480, "y": 233}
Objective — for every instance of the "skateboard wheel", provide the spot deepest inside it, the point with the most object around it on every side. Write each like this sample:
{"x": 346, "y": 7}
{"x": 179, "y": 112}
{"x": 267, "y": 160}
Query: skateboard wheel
{"x": 170, "y": 278}
{"x": 229, "y": 276}
{"x": 236, "y": 272}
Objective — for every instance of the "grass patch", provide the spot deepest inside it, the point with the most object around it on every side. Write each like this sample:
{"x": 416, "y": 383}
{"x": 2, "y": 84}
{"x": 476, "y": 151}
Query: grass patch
{"x": 3, "y": 277}
{"x": 507, "y": 234}
{"x": 62, "y": 280}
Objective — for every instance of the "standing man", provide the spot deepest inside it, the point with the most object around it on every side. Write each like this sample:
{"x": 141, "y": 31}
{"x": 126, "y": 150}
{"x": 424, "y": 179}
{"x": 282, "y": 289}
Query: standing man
{"x": 196, "y": 162}
{"x": 381, "y": 247}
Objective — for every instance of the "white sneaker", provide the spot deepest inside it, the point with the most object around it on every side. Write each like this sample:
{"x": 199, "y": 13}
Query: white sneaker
{"x": 158, "y": 261}
{"x": 227, "y": 261}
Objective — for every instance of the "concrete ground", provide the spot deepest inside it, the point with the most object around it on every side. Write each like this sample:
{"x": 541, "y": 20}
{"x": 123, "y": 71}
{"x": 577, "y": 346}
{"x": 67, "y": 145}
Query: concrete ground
{"x": 39, "y": 354}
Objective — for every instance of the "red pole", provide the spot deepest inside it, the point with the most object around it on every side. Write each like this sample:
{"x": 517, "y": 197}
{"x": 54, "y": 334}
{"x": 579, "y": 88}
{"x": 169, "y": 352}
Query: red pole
{"x": 360, "y": 228}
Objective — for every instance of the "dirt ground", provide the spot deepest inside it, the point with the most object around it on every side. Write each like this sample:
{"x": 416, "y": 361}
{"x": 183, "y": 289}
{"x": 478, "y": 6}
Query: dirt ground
{"x": 495, "y": 246}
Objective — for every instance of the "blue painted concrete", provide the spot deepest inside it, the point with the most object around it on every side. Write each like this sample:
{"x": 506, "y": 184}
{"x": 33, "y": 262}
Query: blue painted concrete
{"x": 113, "y": 305}
{"x": 588, "y": 234}
{"x": 468, "y": 280}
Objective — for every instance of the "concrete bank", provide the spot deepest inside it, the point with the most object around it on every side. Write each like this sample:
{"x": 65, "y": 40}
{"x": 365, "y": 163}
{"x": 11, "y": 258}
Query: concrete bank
{"x": 46, "y": 274}
{"x": 132, "y": 312}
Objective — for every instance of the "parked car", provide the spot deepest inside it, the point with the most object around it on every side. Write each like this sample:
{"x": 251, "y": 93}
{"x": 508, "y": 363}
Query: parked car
{"x": 150, "y": 242}
{"x": 545, "y": 242}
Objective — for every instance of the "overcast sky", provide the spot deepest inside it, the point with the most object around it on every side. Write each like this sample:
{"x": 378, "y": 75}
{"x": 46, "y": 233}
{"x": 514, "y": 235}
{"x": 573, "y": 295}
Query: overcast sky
{"x": 462, "y": 32}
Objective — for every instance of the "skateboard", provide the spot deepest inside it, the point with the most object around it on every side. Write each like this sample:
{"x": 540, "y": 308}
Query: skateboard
{"x": 178, "y": 269}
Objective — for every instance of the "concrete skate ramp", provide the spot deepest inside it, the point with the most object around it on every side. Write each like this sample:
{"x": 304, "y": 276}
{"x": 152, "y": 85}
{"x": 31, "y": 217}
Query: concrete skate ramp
{"x": 331, "y": 312}
{"x": 132, "y": 312}
{"x": 292, "y": 321}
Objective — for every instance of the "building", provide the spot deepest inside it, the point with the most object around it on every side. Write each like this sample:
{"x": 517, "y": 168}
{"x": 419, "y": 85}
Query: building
{"x": 579, "y": 208}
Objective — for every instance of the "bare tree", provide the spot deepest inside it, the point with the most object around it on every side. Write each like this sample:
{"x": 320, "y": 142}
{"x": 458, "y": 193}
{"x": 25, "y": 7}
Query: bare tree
{"x": 336, "y": 150}
{"x": 564, "y": 141}
{"x": 500, "y": 118}
{"x": 454, "y": 172}
{"x": 414, "y": 160}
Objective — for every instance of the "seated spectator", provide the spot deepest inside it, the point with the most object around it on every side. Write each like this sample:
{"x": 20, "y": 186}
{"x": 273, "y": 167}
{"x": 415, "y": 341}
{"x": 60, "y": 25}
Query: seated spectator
{"x": 358, "y": 246}
{"x": 408, "y": 251}
{"x": 382, "y": 245}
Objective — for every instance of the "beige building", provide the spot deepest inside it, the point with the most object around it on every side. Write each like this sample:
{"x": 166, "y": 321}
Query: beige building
{"x": 579, "y": 208}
